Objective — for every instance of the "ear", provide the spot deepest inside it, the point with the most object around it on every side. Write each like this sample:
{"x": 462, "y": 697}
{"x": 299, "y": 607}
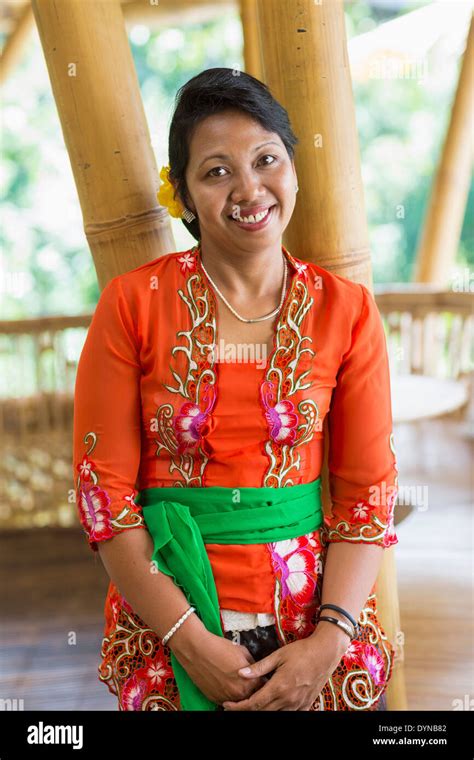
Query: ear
{"x": 187, "y": 202}
{"x": 190, "y": 205}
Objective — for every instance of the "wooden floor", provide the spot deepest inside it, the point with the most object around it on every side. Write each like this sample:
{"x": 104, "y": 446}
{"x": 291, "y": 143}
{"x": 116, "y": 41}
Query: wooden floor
{"x": 53, "y": 590}
{"x": 435, "y": 564}
{"x": 53, "y": 595}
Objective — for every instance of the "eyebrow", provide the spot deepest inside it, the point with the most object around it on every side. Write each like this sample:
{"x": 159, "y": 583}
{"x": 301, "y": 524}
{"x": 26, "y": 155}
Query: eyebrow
{"x": 225, "y": 157}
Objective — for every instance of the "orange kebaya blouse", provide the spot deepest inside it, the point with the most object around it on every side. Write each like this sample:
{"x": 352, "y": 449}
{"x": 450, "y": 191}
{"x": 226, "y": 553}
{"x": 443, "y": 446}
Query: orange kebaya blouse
{"x": 153, "y": 407}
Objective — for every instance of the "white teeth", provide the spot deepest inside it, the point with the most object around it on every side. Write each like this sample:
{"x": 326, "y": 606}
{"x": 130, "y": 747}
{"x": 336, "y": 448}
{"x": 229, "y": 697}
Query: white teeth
{"x": 252, "y": 219}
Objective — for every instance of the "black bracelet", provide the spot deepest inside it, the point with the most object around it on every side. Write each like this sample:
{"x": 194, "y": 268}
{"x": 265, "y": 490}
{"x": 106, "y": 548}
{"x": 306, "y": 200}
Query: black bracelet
{"x": 340, "y": 625}
{"x": 339, "y": 609}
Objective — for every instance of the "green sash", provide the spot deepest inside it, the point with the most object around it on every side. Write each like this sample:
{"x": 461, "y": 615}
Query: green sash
{"x": 181, "y": 520}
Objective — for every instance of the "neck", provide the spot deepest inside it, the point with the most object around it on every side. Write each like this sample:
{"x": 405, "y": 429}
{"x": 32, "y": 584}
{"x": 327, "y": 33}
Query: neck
{"x": 256, "y": 273}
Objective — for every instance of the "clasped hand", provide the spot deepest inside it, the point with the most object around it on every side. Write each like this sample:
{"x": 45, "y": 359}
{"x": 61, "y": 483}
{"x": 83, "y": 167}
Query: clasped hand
{"x": 301, "y": 671}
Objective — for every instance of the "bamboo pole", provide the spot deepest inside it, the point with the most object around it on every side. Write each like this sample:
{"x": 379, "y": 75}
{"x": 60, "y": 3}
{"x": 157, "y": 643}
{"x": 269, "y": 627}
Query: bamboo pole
{"x": 309, "y": 69}
{"x": 99, "y": 104}
{"x": 16, "y": 43}
{"x": 252, "y": 61}
{"x": 309, "y": 72}
{"x": 437, "y": 250}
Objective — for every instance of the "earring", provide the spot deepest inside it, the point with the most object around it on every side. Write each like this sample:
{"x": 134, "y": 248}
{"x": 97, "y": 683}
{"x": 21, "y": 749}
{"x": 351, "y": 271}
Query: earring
{"x": 188, "y": 215}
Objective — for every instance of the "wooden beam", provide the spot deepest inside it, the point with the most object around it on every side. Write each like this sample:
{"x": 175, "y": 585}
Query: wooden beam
{"x": 308, "y": 71}
{"x": 436, "y": 254}
{"x": 99, "y": 104}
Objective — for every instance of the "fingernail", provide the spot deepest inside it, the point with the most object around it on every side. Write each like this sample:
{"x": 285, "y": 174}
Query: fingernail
{"x": 245, "y": 671}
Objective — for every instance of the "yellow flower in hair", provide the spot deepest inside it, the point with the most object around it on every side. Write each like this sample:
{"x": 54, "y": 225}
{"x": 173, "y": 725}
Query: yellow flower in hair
{"x": 165, "y": 195}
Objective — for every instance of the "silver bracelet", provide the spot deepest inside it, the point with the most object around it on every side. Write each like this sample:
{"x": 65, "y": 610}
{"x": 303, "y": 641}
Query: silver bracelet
{"x": 349, "y": 629}
{"x": 177, "y": 625}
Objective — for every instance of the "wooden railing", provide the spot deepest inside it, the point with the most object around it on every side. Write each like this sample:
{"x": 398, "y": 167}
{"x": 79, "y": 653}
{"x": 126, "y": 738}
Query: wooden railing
{"x": 429, "y": 331}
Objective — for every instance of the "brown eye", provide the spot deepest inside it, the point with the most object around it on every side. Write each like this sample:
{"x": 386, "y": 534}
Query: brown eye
{"x": 269, "y": 156}
{"x": 209, "y": 174}
{"x": 216, "y": 168}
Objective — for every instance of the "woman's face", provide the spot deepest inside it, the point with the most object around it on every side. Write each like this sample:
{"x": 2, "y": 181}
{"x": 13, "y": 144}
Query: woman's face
{"x": 237, "y": 169}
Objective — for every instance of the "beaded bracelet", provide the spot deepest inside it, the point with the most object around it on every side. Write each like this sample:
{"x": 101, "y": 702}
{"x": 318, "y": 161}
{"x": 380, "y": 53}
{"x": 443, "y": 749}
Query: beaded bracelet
{"x": 345, "y": 626}
{"x": 177, "y": 625}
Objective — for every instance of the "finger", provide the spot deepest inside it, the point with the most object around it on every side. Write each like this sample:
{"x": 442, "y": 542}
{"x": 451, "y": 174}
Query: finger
{"x": 236, "y": 706}
{"x": 261, "y": 667}
{"x": 246, "y": 704}
{"x": 257, "y": 701}
{"x": 242, "y": 706}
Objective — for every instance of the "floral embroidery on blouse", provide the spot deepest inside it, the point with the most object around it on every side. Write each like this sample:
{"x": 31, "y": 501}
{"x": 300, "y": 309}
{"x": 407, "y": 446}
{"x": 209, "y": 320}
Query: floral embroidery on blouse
{"x": 300, "y": 266}
{"x": 190, "y": 424}
{"x": 281, "y": 418}
{"x": 365, "y": 656}
{"x": 374, "y": 664}
{"x": 295, "y": 566}
{"x": 151, "y": 678}
{"x": 96, "y": 516}
{"x": 188, "y": 262}
{"x": 366, "y": 524}
{"x": 134, "y": 692}
{"x": 361, "y": 511}
{"x": 371, "y": 532}
{"x": 289, "y": 365}
{"x": 94, "y": 503}
{"x": 182, "y": 432}
{"x": 353, "y": 654}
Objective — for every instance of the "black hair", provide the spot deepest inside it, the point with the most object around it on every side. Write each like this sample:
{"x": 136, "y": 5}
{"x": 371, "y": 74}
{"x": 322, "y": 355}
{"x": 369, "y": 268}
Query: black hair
{"x": 210, "y": 92}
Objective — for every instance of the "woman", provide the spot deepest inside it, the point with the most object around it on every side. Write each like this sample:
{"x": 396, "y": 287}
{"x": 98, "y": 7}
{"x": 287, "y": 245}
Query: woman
{"x": 200, "y": 398}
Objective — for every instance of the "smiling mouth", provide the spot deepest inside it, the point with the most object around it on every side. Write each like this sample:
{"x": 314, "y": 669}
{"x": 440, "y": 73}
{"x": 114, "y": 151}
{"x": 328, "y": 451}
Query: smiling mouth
{"x": 252, "y": 219}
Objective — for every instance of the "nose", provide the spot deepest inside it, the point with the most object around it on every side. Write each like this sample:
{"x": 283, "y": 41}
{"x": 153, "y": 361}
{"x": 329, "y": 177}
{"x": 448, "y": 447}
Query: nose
{"x": 245, "y": 191}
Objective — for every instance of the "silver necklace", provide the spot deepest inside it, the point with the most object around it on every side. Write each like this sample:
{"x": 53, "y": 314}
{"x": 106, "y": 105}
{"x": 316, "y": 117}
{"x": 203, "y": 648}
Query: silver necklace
{"x": 257, "y": 319}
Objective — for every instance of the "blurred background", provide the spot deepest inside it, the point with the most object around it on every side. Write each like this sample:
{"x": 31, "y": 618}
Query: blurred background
{"x": 51, "y": 586}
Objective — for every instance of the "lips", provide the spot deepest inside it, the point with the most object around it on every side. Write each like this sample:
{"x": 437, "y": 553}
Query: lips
{"x": 254, "y": 227}
{"x": 252, "y": 211}
{"x": 257, "y": 210}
